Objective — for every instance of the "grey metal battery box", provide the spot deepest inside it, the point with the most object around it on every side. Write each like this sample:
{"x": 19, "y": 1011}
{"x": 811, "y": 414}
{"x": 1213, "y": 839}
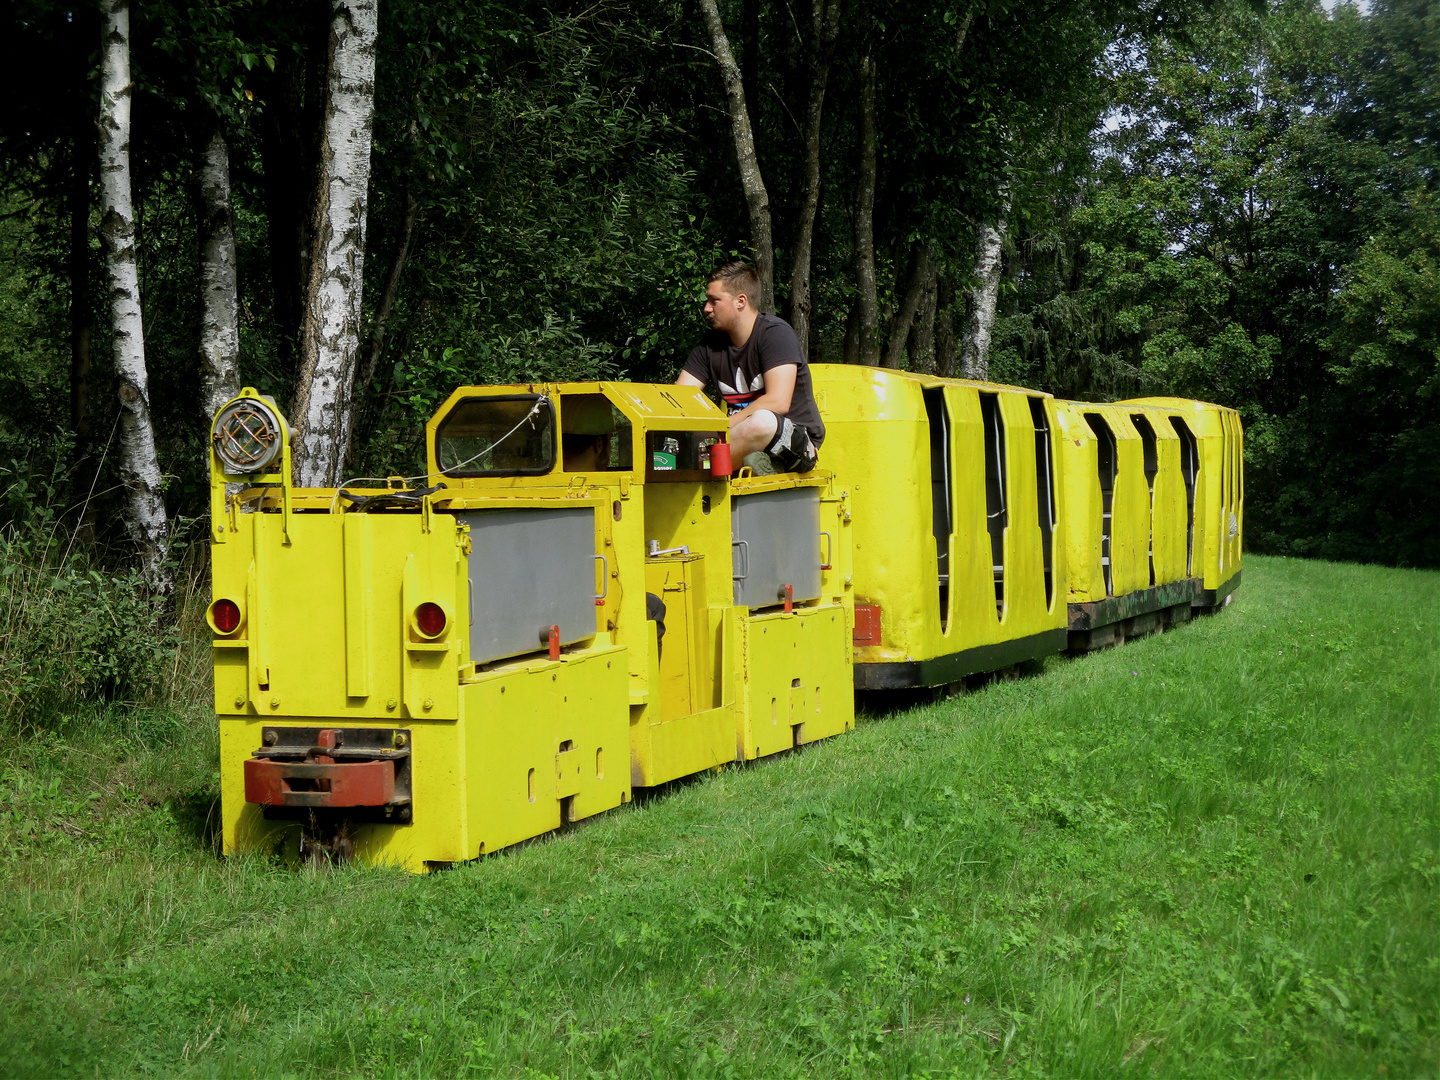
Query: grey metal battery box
{"x": 529, "y": 569}
{"x": 775, "y": 541}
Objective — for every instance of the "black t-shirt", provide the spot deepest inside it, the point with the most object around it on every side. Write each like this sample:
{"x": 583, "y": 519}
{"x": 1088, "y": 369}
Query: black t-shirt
{"x": 739, "y": 371}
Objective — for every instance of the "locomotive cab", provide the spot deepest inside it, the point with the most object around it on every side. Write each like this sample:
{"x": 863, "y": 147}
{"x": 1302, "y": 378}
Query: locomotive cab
{"x": 730, "y": 669}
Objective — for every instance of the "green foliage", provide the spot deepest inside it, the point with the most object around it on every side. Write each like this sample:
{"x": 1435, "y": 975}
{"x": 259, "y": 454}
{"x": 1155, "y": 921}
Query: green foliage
{"x": 1215, "y": 199}
{"x": 1211, "y": 852}
{"x": 71, "y": 633}
{"x": 1258, "y": 228}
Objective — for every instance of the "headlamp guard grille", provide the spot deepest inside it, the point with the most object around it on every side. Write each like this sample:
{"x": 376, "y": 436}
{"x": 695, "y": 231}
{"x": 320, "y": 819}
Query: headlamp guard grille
{"x": 246, "y": 436}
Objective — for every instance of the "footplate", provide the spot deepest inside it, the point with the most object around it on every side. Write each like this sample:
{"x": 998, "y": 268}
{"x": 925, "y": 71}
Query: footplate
{"x": 331, "y": 768}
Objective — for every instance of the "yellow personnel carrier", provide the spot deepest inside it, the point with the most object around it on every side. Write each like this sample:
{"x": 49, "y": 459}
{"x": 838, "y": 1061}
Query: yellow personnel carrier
{"x": 1214, "y": 543}
{"x": 1140, "y": 506}
{"x": 958, "y": 547}
{"x": 571, "y": 605}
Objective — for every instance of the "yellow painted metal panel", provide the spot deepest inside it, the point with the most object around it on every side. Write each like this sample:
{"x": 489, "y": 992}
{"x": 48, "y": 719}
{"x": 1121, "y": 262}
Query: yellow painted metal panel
{"x": 301, "y": 627}
{"x": 358, "y": 589}
{"x": 664, "y": 749}
{"x": 798, "y": 681}
{"x": 1082, "y": 507}
{"x": 519, "y": 719}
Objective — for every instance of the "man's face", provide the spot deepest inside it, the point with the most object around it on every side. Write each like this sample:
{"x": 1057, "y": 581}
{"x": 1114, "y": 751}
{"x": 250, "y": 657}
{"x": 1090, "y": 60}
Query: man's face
{"x": 722, "y": 308}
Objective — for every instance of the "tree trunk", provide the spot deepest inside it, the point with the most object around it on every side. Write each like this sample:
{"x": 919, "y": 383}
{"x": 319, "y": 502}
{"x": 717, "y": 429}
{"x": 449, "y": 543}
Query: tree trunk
{"x": 921, "y": 343}
{"x": 79, "y": 274}
{"x": 827, "y": 27}
{"x": 290, "y": 132}
{"x": 382, "y": 314}
{"x": 82, "y": 477}
{"x": 944, "y": 327}
{"x": 139, "y": 466}
{"x": 750, "y": 180}
{"x": 867, "y": 303}
{"x": 330, "y": 333}
{"x": 220, "y": 305}
{"x": 975, "y": 348}
{"x": 850, "y": 353}
{"x": 922, "y": 272}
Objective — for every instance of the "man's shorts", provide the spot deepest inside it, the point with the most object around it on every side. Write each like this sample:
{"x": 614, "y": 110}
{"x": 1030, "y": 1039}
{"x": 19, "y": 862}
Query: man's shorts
{"x": 792, "y": 449}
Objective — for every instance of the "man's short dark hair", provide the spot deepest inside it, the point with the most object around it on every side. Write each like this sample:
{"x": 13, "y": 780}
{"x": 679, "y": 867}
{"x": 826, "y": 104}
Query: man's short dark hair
{"x": 737, "y": 276}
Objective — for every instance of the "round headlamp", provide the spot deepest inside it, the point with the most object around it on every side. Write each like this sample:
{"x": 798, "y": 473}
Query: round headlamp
{"x": 247, "y": 435}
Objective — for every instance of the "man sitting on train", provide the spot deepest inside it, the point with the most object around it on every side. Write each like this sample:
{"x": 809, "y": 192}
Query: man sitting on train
{"x": 754, "y": 359}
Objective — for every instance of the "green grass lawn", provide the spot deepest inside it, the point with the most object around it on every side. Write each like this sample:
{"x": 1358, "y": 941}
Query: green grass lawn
{"x": 1212, "y": 852}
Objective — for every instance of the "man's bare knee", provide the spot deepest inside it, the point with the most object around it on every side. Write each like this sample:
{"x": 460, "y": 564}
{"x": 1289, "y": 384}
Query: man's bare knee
{"x": 753, "y": 433}
{"x": 761, "y": 424}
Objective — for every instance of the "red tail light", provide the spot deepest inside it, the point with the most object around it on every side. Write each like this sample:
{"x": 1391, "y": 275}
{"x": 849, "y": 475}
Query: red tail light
{"x": 430, "y": 619}
{"x": 225, "y": 616}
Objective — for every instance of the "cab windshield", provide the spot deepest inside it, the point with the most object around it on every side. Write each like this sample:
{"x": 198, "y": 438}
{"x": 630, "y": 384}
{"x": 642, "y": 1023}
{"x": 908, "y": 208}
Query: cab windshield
{"x": 512, "y": 435}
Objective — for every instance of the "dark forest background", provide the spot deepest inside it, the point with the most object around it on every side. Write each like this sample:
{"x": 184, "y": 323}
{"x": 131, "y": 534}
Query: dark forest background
{"x": 1234, "y": 202}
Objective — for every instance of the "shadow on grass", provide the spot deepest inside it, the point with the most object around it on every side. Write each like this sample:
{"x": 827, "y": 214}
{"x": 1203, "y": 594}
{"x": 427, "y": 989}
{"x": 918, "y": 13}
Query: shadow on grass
{"x": 883, "y": 704}
{"x": 197, "y": 815}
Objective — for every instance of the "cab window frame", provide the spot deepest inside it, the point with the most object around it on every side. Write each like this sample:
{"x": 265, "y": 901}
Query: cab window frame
{"x": 553, "y": 447}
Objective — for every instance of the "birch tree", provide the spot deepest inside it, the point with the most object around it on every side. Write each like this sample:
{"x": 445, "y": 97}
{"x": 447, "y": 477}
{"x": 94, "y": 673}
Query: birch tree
{"x": 980, "y": 302}
{"x": 330, "y": 332}
{"x": 139, "y": 466}
{"x": 826, "y": 19}
{"x": 756, "y": 198}
{"x": 220, "y": 308}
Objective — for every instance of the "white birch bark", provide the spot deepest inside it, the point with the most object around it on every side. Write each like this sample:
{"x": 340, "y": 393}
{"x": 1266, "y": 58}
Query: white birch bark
{"x": 980, "y": 321}
{"x": 139, "y": 465}
{"x": 220, "y": 306}
{"x": 330, "y": 331}
{"x": 756, "y": 198}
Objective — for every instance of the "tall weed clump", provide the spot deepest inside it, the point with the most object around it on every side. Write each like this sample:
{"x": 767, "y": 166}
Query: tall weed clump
{"x": 72, "y": 630}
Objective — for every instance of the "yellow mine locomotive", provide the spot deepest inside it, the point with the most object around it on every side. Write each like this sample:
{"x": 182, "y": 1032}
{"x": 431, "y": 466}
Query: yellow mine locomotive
{"x": 579, "y": 599}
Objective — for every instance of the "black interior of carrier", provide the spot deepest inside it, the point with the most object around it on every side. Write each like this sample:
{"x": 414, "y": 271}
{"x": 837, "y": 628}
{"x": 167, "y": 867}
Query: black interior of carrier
{"x": 942, "y": 513}
{"x": 1105, "y": 465}
{"x": 1152, "y": 467}
{"x": 1190, "y": 470}
{"x": 997, "y": 515}
{"x": 1044, "y": 491}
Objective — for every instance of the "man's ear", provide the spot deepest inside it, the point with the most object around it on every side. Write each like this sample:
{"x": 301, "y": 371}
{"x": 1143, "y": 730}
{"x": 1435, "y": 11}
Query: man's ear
{"x": 742, "y": 301}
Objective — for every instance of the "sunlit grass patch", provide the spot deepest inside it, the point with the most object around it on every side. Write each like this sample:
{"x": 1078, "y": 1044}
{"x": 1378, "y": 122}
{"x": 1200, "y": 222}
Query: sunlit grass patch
{"x": 1211, "y": 852}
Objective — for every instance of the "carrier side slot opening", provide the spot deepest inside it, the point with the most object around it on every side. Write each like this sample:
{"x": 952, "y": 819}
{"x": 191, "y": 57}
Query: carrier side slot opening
{"x": 1190, "y": 470}
{"x": 997, "y": 514}
{"x": 1152, "y": 467}
{"x": 1044, "y": 491}
{"x": 1105, "y": 465}
{"x": 941, "y": 510}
